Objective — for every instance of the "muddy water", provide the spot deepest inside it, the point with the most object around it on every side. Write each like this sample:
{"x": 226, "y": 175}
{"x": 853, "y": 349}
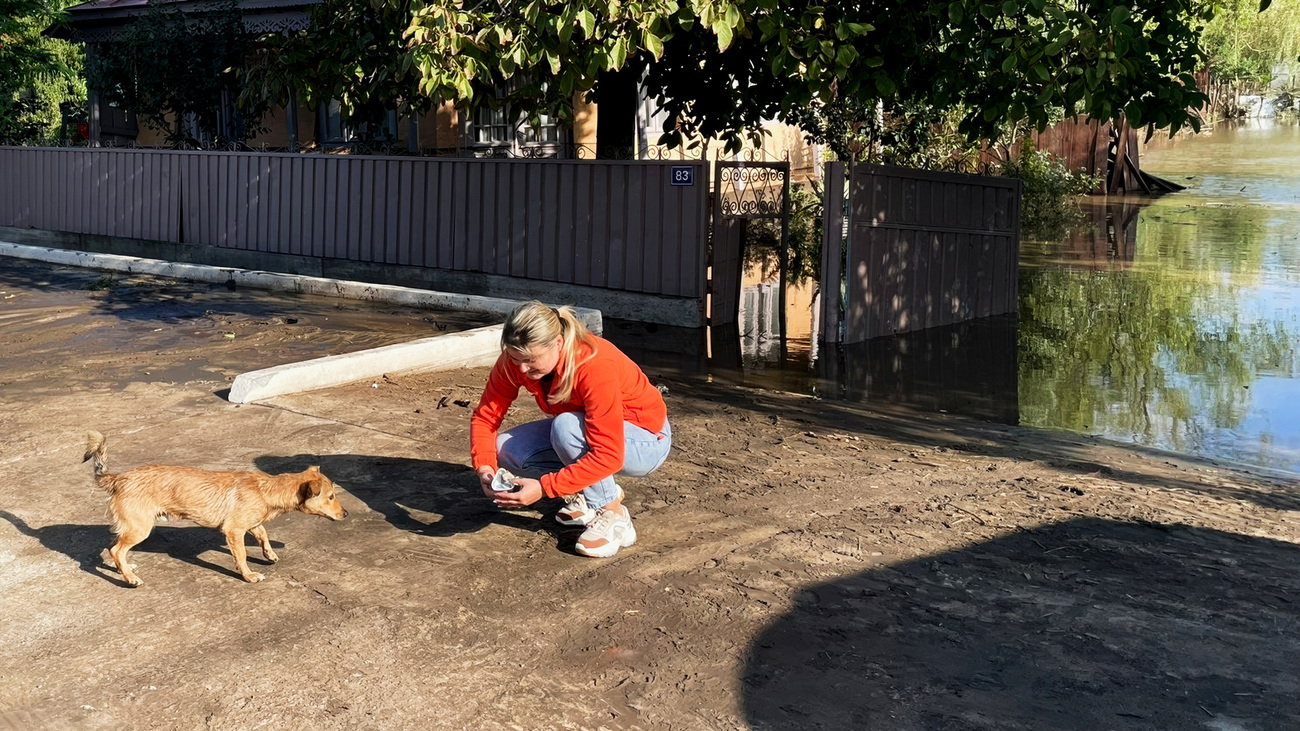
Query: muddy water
{"x": 60, "y": 320}
{"x": 1175, "y": 322}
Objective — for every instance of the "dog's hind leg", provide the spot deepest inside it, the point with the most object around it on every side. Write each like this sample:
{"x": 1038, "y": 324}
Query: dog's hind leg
{"x": 129, "y": 536}
{"x": 235, "y": 540}
{"x": 263, "y": 540}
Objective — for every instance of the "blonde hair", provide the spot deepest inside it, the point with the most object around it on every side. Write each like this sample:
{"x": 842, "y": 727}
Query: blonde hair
{"x": 533, "y": 323}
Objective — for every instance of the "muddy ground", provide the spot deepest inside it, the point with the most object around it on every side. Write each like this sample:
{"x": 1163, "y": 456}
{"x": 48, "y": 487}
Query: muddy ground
{"x": 801, "y": 564}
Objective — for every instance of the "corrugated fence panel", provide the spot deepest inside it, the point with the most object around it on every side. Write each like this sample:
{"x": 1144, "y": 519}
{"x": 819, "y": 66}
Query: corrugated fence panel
{"x": 614, "y": 224}
{"x": 600, "y": 240}
{"x": 929, "y": 249}
{"x": 126, "y": 193}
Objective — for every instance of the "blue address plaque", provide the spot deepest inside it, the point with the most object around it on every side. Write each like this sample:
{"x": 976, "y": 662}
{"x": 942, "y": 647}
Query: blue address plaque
{"x": 683, "y": 175}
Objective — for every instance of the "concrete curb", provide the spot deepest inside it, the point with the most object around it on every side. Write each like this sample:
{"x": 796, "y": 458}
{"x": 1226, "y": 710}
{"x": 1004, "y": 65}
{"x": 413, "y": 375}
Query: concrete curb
{"x": 277, "y": 282}
{"x": 476, "y": 347}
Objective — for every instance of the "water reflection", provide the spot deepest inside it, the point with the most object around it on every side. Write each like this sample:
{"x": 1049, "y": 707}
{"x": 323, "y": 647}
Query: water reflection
{"x": 1175, "y": 322}
{"x": 969, "y": 368}
{"x": 1171, "y": 322}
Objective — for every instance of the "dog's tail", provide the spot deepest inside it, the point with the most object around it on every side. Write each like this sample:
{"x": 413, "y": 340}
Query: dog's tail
{"x": 95, "y": 450}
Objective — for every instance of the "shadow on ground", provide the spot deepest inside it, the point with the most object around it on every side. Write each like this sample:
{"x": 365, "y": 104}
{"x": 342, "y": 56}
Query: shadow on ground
{"x": 88, "y": 544}
{"x": 1086, "y": 624}
{"x": 426, "y": 497}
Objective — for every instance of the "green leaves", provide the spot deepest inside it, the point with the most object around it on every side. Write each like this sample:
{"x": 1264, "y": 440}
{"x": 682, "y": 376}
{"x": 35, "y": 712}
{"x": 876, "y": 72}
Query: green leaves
{"x": 654, "y": 45}
{"x": 619, "y": 55}
{"x": 724, "y": 33}
{"x": 885, "y": 85}
{"x": 167, "y": 66}
{"x": 37, "y": 76}
{"x": 720, "y": 67}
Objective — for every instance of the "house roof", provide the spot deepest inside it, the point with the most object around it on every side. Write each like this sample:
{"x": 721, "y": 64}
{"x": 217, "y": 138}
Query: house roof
{"x": 102, "y": 20}
{"x": 246, "y": 4}
{"x": 102, "y": 4}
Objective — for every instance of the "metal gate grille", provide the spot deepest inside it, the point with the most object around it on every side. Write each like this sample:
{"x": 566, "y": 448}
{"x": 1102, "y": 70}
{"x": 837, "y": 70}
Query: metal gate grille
{"x": 743, "y": 191}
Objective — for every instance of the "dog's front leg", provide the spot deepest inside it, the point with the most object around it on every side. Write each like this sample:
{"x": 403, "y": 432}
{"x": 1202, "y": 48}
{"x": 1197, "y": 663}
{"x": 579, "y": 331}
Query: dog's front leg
{"x": 235, "y": 539}
{"x": 263, "y": 540}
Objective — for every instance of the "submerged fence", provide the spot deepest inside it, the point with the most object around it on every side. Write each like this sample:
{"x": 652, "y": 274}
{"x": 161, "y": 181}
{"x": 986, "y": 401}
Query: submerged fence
{"x": 614, "y": 224}
{"x": 924, "y": 249}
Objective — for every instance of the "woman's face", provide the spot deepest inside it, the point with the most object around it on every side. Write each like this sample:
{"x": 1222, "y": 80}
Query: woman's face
{"x": 538, "y": 361}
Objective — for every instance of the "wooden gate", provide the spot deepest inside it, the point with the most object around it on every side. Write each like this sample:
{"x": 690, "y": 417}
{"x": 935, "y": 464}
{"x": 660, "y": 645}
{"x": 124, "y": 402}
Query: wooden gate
{"x": 925, "y": 249}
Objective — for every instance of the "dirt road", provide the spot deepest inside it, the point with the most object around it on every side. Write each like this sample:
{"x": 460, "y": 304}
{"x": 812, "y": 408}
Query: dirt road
{"x": 801, "y": 565}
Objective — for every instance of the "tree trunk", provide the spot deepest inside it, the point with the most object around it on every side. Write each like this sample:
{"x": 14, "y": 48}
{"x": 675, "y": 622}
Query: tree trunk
{"x": 616, "y": 103}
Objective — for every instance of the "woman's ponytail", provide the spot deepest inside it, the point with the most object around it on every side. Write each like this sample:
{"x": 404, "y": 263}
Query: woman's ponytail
{"x": 572, "y": 334}
{"x": 534, "y": 323}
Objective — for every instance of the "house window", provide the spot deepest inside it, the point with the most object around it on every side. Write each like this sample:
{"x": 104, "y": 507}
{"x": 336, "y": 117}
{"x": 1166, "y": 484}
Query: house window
{"x": 547, "y": 133}
{"x": 489, "y": 132}
{"x": 489, "y": 127}
{"x": 332, "y": 129}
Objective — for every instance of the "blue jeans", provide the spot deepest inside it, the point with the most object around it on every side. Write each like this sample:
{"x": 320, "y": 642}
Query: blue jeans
{"x": 542, "y": 447}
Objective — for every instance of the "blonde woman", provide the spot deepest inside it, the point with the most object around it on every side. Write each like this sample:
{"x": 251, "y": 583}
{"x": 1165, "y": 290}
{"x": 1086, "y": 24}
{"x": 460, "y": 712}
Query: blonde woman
{"x": 606, "y": 419}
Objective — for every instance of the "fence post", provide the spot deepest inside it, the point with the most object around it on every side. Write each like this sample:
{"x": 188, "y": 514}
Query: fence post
{"x": 832, "y": 252}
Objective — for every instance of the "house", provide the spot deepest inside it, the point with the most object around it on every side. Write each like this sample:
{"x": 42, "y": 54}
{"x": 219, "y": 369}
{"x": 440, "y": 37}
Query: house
{"x": 485, "y": 132}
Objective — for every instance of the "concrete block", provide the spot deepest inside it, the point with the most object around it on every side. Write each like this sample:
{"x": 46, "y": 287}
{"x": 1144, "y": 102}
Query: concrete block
{"x": 469, "y": 349}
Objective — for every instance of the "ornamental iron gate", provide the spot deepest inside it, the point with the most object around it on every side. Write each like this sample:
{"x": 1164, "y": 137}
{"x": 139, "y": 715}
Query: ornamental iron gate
{"x": 743, "y": 192}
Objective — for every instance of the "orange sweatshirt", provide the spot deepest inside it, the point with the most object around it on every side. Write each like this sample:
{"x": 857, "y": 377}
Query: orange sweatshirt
{"x": 609, "y": 389}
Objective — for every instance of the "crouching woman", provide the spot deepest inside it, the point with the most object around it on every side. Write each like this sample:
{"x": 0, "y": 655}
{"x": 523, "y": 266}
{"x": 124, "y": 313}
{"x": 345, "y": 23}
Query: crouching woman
{"x": 605, "y": 419}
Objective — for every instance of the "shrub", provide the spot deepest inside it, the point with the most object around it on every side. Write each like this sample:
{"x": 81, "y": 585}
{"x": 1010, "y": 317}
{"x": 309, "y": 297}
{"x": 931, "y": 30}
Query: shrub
{"x": 1050, "y": 194}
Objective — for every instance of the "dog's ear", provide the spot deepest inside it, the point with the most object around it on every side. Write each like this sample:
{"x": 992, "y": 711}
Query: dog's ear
{"x": 309, "y": 488}
{"x": 314, "y": 468}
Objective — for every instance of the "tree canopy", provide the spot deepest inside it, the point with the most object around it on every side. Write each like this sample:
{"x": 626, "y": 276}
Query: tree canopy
{"x": 354, "y": 51}
{"x": 172, "y": 67}
{"x": 36, "y": 73}
{"x": 1245, "y": 44}
{"x": 720, "y": 68}
{"x": 24, "y": 55}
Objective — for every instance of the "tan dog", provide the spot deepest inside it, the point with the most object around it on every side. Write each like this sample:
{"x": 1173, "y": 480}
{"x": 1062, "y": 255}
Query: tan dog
{"x": 233, "y": 502}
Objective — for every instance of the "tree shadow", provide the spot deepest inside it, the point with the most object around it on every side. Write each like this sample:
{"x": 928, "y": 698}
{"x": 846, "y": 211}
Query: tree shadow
{"x": 426, "y": 497}
{"x": 88, "y": 545}
{"x": 1085, "y": 624}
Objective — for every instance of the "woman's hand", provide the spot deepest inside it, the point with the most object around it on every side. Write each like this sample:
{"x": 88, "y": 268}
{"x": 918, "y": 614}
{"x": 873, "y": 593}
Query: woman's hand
{"x": 529, "y": 492}
{"x": 485, "y": 475}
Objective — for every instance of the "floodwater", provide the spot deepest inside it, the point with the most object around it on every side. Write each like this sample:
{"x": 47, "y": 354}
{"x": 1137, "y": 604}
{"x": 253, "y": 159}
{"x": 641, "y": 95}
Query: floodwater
{"x": 54, "y": 318}
{"x": 1175, "y": 322}
{"x": 1170, "y": 322}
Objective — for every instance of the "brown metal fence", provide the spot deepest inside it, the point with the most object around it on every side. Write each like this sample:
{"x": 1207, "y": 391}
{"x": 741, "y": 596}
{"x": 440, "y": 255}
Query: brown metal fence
{"x": 113, "y": 193}
{"x": 927, "y": 249}
{"x": 613, "y": 224}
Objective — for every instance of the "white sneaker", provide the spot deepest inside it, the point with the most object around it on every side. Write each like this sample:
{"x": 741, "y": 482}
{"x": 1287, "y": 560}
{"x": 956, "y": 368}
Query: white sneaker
{"x": 610, "y": 531}
{"x": 575, "y": 511}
